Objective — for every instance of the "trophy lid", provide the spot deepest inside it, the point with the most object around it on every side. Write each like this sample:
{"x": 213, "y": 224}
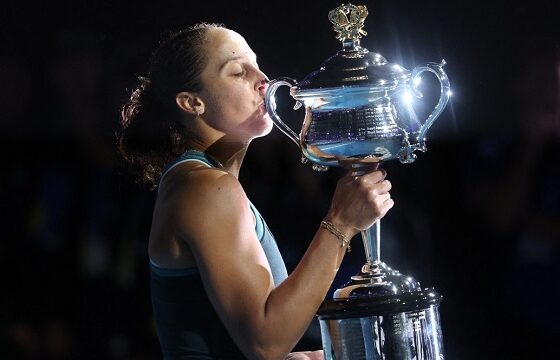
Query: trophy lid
{"x": 353, "y": 65}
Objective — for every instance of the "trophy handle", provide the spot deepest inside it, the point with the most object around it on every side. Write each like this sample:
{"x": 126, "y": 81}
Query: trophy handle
{"x": 270, "y": 103}
{"x": 436, "y": 69}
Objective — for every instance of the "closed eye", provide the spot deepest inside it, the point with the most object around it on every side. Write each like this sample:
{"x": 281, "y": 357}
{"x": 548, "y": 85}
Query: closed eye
{"x": 240, "y": 74}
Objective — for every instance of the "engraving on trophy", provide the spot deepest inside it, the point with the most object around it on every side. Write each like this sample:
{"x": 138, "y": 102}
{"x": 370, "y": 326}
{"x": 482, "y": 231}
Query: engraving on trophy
{"x": 353, "y": 125}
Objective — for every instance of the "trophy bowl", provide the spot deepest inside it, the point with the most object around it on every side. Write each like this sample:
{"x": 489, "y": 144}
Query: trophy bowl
{"x": 351, "y": 103}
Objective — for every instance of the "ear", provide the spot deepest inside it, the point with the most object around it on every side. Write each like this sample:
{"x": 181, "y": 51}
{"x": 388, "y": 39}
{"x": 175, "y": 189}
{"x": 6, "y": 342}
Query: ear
{"x": 190, "y": 103}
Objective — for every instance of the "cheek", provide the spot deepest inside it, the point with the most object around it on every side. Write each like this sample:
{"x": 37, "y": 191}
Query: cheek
{"x": 227, "y": 103}
{"x": 233, "y": 104}
{"x": 221, "y": 97}
{"x": 222, "y": 110}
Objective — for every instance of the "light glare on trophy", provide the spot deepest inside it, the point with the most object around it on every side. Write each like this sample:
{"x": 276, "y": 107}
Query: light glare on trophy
{"x": 351, "y": 120}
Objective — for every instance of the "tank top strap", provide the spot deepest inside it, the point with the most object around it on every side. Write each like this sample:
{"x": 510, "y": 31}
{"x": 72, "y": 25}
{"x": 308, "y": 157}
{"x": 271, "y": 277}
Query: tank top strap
{"x": 259, "y": 222}
{"x": 191, "y": 155}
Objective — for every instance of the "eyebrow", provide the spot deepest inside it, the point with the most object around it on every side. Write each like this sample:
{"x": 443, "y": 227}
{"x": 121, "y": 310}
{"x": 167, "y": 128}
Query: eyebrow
{"x": 228, "y": 60}
{"x": 233, "y": 58}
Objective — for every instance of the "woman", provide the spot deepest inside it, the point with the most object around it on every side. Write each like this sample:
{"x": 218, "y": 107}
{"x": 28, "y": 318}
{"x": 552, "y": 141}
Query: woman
{"x": 219, "y": 286}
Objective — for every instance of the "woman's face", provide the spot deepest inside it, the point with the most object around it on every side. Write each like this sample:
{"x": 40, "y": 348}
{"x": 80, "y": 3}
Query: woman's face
{"x": 233, "y": 87}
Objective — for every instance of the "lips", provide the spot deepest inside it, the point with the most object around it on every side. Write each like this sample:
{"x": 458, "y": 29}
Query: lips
{"x": 262, "y": 88}
{"x": 262, "y": 108}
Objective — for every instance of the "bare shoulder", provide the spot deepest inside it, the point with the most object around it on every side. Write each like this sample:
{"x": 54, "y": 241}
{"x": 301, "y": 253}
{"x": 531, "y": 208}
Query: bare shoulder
{"x": 200, "y": 196}
{"x": 194, "y": 182}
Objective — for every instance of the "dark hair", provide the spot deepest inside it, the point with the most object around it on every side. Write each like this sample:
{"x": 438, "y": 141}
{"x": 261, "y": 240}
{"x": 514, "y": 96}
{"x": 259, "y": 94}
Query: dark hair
{"x": 151, "y": 132}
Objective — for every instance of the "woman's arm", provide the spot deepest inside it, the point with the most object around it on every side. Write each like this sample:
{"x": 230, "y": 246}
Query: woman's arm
{"x": 216, "y": 222}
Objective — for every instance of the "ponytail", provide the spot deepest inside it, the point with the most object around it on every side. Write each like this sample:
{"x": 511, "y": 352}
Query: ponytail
{"x": 152, "y": 131}
{"x": 144, "y": 137}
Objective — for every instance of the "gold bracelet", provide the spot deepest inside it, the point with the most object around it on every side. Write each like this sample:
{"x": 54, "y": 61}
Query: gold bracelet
{"x": 344, "y": 240}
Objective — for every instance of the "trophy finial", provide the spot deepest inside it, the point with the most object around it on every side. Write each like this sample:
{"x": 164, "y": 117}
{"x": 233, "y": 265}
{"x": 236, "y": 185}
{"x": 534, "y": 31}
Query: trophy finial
{"x": 349, "y": 28}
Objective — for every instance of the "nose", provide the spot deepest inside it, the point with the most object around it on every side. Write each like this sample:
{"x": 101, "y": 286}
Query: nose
{"x": 262, "y": 84}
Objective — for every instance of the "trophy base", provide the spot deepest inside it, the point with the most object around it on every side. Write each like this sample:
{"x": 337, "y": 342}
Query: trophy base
{"x": 404, "y": 326}
{"x": 381, "y": 315}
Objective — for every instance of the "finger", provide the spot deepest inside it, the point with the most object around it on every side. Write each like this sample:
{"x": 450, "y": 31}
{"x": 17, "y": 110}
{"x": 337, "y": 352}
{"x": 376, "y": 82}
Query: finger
{"x": 382, "y": 187}
{"x": 387, "y": 205}
{"x": 380, "y": 200}
{"x": 383, "y": 171}
{"x": 376, "y": 176}
{"x": 383, "y": 204}
{"x": 317, "y": 355}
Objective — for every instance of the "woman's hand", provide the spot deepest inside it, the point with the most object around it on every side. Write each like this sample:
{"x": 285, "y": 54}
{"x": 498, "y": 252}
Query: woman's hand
{"x": 306, "y": 355}
{"x": 359, "y": 201}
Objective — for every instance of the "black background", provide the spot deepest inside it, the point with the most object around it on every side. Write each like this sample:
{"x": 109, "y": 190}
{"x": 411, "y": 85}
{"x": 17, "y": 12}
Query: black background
{"x": 477, "y": 216}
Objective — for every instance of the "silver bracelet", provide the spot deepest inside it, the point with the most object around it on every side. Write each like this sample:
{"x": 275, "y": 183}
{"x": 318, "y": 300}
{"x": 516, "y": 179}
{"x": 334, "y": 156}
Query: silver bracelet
{"x": 344, "y": 240}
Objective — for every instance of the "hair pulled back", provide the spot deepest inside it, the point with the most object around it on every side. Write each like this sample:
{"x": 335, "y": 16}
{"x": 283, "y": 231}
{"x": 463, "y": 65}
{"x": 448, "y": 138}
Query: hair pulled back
{"x": 151, "y": 132}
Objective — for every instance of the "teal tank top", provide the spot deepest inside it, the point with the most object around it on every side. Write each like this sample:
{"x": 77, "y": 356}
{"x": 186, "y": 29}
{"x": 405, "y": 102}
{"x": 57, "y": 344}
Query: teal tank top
{"x": 187, "y": 325}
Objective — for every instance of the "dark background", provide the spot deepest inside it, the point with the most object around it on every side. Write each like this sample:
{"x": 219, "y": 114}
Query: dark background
{"x": 477, "y": 216}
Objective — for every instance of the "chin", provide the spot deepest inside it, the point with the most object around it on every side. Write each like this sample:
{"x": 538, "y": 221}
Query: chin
{"x": 264, "y": 127}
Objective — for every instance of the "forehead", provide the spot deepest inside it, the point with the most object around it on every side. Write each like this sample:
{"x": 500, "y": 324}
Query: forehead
{"x": 223, "y": 44}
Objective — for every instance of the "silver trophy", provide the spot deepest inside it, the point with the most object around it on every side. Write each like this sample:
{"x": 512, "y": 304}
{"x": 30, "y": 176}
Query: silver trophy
{"x": 358, "y": 116}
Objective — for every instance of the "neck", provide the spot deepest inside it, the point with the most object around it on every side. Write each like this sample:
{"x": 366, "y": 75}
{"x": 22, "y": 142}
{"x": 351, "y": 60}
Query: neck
{"x": 229, "y": 154}
{"x": 229, "y": 151}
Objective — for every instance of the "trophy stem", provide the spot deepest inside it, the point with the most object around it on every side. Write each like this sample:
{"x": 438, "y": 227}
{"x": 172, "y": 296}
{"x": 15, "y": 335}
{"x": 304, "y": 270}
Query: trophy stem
{"x": 374, "y": 270}
{"x": 372, "y": 245}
